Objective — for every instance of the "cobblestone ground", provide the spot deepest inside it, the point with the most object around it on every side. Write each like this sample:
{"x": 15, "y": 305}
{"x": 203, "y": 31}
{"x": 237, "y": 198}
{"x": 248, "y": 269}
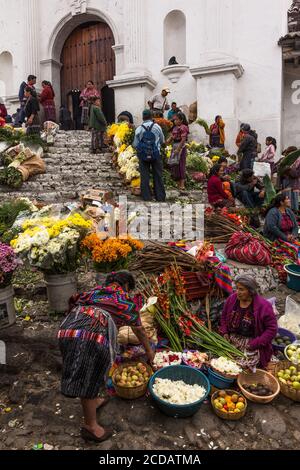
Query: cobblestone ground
{"x": 29, "y": 385}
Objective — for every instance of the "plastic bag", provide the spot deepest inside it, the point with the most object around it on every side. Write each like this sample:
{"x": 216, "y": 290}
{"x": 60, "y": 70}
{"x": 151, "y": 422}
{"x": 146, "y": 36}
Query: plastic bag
{"x": 262, "y": 169}
{"x": 291, "y": 319}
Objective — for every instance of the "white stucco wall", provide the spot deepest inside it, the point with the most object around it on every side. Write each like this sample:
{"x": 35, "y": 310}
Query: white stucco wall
{"x": 230, "y": 29}
{"x": 291, "y": 107}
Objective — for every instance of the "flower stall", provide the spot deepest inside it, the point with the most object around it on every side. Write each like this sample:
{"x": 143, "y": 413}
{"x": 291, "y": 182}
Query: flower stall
{"x": 52, "y": 244}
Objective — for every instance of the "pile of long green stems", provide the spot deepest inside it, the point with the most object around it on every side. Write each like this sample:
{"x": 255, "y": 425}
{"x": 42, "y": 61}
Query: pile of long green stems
{"x": 182, "y": 328}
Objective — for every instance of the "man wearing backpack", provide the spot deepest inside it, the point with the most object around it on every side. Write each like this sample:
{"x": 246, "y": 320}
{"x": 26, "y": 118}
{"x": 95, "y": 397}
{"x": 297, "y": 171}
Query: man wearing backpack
{"x": 148, "y": 140}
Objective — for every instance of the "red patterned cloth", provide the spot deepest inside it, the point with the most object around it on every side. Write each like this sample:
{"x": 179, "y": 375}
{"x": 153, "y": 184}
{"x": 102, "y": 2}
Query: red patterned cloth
{"x": 245, "y": 248}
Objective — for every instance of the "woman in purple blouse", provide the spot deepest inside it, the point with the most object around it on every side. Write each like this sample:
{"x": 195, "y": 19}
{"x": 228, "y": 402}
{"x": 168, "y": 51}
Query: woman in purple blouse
{"x": 249, "y": 323}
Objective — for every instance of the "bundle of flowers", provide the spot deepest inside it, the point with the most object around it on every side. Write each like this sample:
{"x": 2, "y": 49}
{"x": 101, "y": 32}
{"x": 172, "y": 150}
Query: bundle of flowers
{"x": 2, "y": 122}
{"x": 166, "y": 358}
{"x": 215, "y": 159}
{"x": 129, "y": 164}
{"x": 196, "y": 163}
{"x": 182, "y": 328}
{"x": 121, "y": 134}
{"x": 165, "y": 124}
{"x": 112, "y": 254}
{"x": 51, "y": 244}
{"x": 196, "y": 147}
{"x": 8, "y": 264}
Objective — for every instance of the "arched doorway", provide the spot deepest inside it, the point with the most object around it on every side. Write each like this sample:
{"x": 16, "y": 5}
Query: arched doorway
{"x": 88, "y": 55}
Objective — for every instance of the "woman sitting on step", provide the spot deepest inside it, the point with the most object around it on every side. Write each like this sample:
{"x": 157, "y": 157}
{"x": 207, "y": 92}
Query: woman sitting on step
{"x": 88, "y": 343}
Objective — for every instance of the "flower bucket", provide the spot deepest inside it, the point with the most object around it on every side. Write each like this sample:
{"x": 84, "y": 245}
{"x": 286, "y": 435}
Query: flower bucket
{"x": 60, "y": 288}
{"x": 7, "y": 307}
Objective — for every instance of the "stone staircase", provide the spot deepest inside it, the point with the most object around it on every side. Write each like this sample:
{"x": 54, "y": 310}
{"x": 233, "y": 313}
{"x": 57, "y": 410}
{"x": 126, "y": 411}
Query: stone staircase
{"x": 71, "y": 168}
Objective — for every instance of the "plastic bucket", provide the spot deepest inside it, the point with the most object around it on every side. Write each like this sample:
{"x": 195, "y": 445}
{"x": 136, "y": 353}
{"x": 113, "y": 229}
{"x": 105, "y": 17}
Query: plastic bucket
{"x": 293, "y": 280}
{"x": 7, "y": 307}
{"x": 60, "y": 288}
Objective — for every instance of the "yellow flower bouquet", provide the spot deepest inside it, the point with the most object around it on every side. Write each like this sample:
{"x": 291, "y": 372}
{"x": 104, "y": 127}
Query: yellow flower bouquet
{"x": 52, "y": 244}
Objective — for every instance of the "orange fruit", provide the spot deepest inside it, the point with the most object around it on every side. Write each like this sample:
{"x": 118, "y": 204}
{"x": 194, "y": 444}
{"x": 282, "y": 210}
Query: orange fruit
{"x": 235, "y": 398}
{"x": 241, "y": 400}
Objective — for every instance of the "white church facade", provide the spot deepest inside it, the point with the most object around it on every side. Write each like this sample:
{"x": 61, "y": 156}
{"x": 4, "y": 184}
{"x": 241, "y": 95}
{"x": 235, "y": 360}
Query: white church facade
{"x": 235, "y": 58}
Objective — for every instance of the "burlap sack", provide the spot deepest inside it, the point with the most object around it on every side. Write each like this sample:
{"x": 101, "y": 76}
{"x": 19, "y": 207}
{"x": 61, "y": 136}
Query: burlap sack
{"x": 126, "y": 335}
{"x": 33, "y": 166}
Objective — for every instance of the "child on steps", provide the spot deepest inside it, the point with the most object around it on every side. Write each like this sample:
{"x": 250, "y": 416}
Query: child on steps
{"x": 98, "y": 125}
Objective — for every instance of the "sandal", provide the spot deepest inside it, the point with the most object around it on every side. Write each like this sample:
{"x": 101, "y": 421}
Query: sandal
{"x": 105, "y": 401}
{"x": 89, "y": 436}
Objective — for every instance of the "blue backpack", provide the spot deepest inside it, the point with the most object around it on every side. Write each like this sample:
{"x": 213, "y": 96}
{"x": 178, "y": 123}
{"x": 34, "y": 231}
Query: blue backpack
{"x": 147, "y": 149}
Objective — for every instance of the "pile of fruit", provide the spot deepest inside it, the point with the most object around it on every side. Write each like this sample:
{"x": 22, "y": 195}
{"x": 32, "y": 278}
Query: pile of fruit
{"x": 290, "y": 377}
{"x": 132, "y": 376}
{"x": 293, "y": 353}
{"x": 229, "y": 403}
{"x": 259, "y": 390}
{"x": 282, "y": 340}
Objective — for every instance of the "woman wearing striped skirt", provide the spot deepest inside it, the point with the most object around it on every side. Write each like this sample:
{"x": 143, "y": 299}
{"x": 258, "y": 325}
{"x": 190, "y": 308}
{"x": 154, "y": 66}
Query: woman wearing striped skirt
{"x": 88, "y": 344}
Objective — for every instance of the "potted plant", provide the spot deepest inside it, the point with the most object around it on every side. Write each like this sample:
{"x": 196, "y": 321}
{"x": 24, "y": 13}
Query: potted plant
{"x": 8, "y": 265}
{"x": 53, "y": 246}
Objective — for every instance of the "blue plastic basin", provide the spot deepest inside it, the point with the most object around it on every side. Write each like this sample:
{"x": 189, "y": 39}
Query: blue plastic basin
{"x": 218, "y": 380}
{"x": 188, "y": 375}
{"x": 293, "y": 280}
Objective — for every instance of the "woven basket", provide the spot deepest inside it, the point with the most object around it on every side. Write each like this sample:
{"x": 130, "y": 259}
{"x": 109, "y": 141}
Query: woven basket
{"x": 134, "y": 392}
{"x": 285, "y": 389}
{"x": 228, "y": 416}
{"x": 263, "y": 377}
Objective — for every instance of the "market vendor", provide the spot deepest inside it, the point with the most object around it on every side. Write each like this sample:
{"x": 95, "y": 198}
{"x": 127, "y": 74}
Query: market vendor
{"x": 178, "y": 140}
{"x": 217, "y": 133}
{"x": 249, "y": 323}
{"x": 249, "y": 189}
{"x": 217, "y": 196}
{"x": 88, "y": 343}
{"x": 281, "y": 222}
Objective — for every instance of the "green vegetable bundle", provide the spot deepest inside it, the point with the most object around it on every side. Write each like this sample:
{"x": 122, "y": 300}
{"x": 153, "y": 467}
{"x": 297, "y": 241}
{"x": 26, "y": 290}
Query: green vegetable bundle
{"x": 11, "y": 177}
{"x": 196, "y": 163}
{"x": 203, "y": 124}
{"x": 213, "y": 342}
{"x": 270, "y": 190}
{"x": 9, "y": 211}
{"x": 288, "y": 161}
